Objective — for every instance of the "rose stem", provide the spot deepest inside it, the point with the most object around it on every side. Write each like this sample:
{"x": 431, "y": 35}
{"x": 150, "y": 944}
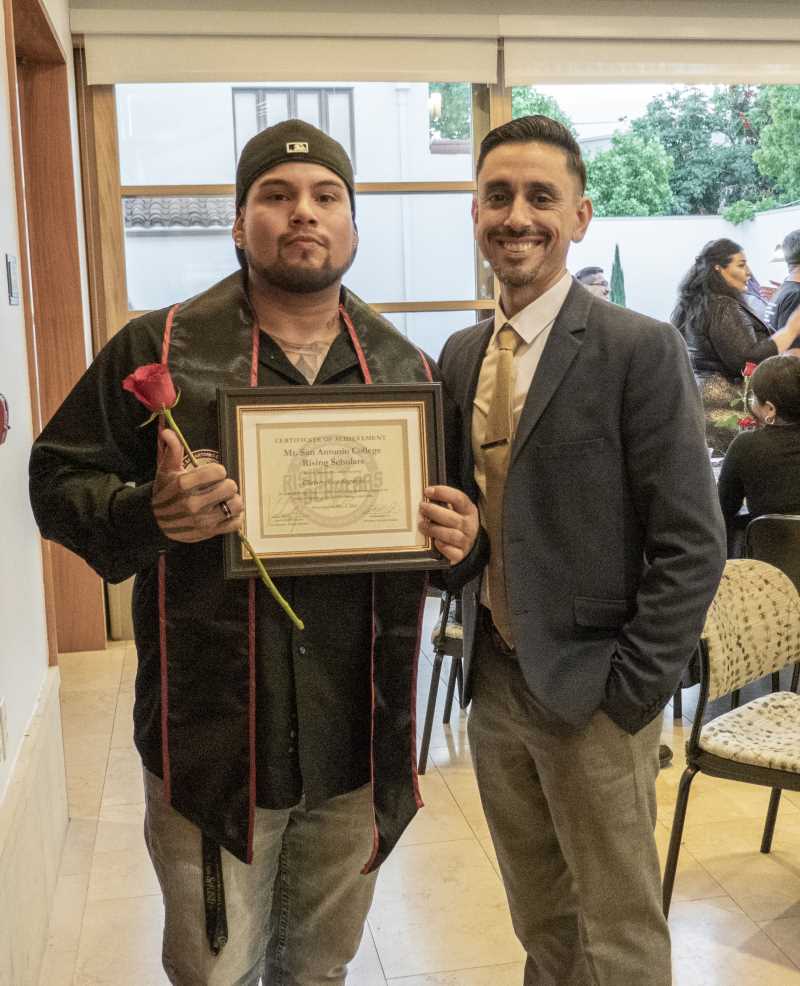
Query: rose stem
{"x": 167, "y": 412}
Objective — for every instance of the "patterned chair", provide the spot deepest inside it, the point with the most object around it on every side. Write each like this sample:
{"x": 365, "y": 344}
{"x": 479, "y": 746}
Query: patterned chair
{"x": 448, "y": 639}
{"x": 775, "y": 538}
{"x": 752, "y": 629}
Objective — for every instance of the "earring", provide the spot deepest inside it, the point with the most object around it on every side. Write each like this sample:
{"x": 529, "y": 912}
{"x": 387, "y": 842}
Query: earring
{"x": 769, "y": 421}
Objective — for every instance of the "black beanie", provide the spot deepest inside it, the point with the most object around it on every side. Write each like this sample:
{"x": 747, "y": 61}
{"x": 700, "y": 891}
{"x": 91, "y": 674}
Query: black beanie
{"x": 292, "y": 140}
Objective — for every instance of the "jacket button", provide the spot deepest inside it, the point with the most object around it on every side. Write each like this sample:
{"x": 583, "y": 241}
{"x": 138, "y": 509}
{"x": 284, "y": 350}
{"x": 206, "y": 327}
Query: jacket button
{"x": 301, "y": 649}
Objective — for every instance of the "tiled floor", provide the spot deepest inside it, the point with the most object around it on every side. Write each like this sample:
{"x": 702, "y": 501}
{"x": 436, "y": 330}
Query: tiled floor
{"x": 439, "y": 917}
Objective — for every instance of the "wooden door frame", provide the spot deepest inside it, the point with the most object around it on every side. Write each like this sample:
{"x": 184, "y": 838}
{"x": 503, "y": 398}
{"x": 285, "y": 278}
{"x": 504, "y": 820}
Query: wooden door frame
{"x": 51, "y": 283}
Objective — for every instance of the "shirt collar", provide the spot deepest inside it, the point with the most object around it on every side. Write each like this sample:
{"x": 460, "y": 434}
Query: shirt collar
{"x": 539, "y": 314}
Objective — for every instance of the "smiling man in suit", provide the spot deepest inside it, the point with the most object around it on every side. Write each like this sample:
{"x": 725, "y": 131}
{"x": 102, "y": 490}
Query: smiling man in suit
{"x": 584, "y": 446}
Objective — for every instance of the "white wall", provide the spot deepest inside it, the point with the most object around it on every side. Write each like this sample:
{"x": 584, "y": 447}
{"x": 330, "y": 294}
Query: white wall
{"x": 656, "y": 251}
{"x": 23, "y": 640}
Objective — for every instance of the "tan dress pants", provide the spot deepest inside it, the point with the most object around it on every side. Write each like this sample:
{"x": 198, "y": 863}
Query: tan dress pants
{"x": 571, "y": 814}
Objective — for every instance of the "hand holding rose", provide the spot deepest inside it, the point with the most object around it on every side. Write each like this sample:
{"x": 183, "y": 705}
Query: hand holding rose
{"x": 186, "y": 503}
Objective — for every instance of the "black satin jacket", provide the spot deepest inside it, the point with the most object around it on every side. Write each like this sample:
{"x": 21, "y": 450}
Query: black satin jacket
{"x": 91, "y": 475}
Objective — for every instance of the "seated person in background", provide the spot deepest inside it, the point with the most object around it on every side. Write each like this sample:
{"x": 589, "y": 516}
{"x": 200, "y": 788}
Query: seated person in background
{"x": 785, "y": 301}
{"x": 594, "y": 279}
{"x": 763, "y": 466}
{"x": 722, "y": 333}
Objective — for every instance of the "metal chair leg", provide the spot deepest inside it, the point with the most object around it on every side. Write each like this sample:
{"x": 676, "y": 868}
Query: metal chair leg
{"x": 776, "y": 681}
{"x": 460, "y": 678}
{"x": 422, "y": 761}
{"x": 677, "y": 704}
{"x": 451, "y": 690}
{"x": 735, "y": 699}
{"x": 772, "y": 815}
{"x": 677, "y": 833}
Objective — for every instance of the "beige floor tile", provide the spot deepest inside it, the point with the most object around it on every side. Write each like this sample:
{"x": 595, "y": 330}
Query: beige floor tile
{"x": 78, "y": 847}
{"x": 120, "y": 828}
{"x": 785, "y": 932}
{"x": 58, "y": 967}
{"x": 122, "y": 735}
{"x": 365, "y": 969}
{"x": 495, "y": 975}
{"x": 438, "y": 908}
{"x": 130, "y": 664}
{"x": 765, "y": 887}
{"x": 715, "y": 944}
{"x": 66, "y": 916}
{"x": 124, "y": 873}
{"x": 692, "y": 879}
{"x": 441, "y": 820}
{"x": 86, "y": 763}
{"x": 120, "y": 943}
{"x": 124, "y": 782}
{"x": 464, "y": 788}
{"x": 88, "y": 713}
{"x": 91, "y": 670}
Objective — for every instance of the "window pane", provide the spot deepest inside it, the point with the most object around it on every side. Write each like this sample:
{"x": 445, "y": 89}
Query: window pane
{"x": 175, "y": 248}
{"x": 430, "y": 330}
{"x": 184, "y": 133}
{"x": 414, "y": 248}
{"x": 411, "y": 248}
{"x": 340, "y": 119}
{"x": 307, "y": 107}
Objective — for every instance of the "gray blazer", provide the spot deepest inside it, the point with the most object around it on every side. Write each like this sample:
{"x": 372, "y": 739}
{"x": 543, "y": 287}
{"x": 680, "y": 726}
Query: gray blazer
{"x": 613, "y": 538}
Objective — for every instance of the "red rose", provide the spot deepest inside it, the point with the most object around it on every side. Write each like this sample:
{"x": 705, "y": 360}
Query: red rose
{"x": 153, "y": 386}
{"x": 747, "y": 424}
{"x": 749, "y": 369}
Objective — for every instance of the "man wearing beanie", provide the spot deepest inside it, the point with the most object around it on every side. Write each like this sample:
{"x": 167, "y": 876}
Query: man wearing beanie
{"x": 279, "y": 764}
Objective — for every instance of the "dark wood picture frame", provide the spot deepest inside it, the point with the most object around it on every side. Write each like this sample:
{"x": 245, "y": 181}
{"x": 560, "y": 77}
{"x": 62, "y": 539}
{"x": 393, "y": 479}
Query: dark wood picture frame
{"x": 424, "y": 398}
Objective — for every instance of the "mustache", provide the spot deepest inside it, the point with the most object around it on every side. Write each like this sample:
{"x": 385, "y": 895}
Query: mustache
{"x": 517, "y": 234}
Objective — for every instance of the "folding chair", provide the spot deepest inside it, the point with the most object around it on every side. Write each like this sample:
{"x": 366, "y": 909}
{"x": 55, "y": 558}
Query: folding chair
{"x": 448, "y": 640}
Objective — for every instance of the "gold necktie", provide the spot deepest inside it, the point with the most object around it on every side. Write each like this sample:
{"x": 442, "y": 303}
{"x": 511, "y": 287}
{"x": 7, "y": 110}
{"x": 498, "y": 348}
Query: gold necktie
{"x": 497, "y": 449}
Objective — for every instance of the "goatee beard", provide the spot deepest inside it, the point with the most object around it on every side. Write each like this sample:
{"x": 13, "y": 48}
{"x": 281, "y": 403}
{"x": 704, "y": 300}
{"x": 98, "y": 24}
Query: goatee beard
{"x": 516, "y": 278}
{"x": 300, "y": 280}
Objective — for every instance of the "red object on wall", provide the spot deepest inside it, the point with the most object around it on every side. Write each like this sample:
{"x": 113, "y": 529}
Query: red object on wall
{"x": 4, "y": 425}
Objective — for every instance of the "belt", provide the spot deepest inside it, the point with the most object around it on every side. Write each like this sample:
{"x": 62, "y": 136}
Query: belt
{"x": 498, "y": 641}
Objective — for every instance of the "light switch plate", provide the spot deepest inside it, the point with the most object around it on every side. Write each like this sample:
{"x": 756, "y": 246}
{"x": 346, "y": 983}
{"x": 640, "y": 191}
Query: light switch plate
{"x": 12, "y": 278}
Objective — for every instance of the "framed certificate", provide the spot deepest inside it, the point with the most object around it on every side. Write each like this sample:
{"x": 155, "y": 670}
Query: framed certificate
{"x": 331, "y": 477}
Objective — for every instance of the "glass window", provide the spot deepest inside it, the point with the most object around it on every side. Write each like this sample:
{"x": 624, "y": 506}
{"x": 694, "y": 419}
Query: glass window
{"x": 411, "y": 248}
{"x": 430, "y": 330}
{"x": 191, "y": 133}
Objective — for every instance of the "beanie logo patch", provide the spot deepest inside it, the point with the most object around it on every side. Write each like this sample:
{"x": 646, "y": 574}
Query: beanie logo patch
{"x": 297, "y": 147}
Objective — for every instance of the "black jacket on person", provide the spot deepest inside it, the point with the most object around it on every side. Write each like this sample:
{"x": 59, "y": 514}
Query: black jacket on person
{"x": 197, "y": 721}
{"x": 732, "y": 336}
{"x": 762, "y": 466}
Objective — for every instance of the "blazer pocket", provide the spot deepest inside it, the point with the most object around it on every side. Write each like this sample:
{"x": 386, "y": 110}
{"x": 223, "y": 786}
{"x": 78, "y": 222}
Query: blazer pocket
{"x": 563, "y": 450}
{"x": 608, "y": 614}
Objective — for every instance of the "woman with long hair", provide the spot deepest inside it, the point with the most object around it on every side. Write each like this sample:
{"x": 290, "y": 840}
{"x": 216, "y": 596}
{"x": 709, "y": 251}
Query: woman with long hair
{"x": 763, "y": 466}
{"x": 722, "y": 333}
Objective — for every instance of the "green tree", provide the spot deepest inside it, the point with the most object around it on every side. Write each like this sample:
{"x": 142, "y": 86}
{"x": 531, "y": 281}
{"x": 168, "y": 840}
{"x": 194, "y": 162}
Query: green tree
{"x": 617, "y": 293}
{"x": 527, "y": 101}
{"x": 711, "y": 140}
{"x": 631, "y": 178}
{"x": 778, "y": 156}
{"x": 455, "y": 120}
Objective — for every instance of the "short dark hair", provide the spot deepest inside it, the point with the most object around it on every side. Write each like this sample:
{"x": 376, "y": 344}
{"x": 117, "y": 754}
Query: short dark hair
{"x": 777, "y": 379}
{"x": 791, "y": 248}
{"x": 585, "y": 272}
{"x": 536, "y": 129}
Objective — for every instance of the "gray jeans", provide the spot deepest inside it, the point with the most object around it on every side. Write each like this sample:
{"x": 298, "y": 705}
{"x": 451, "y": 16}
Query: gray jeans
{"x": 295, "y": 915}
{"x": 571, "y": 816}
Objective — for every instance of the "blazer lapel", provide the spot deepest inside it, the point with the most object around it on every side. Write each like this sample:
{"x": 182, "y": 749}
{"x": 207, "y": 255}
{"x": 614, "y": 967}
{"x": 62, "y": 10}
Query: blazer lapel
{"x": 566, "y": 338}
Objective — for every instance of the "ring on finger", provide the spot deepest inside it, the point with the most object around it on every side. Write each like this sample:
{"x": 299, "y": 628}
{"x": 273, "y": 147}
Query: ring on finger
{"x": 226, "y": 510}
